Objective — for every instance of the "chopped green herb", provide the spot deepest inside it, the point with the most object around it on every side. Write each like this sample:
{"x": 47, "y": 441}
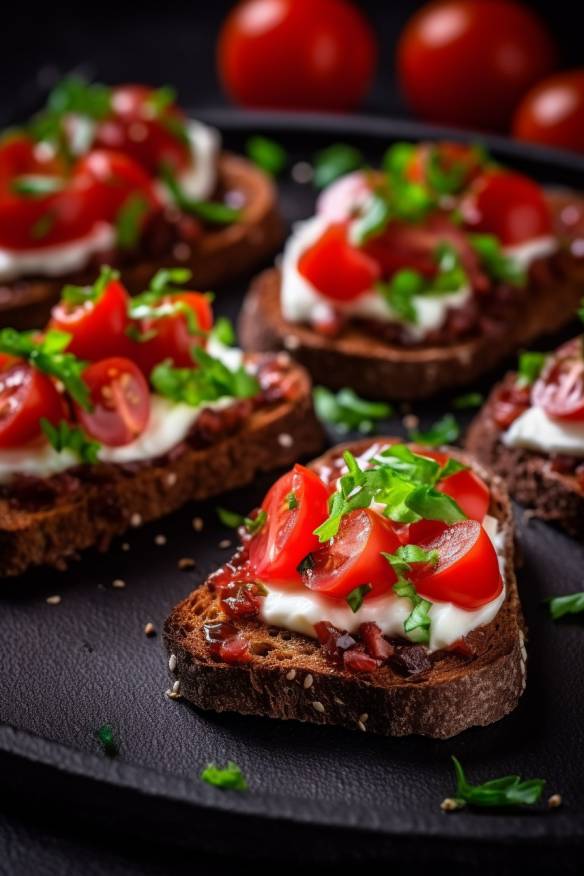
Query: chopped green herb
{"x": 347, "y": 410}
{"x": 496, "y": 263}
{"x": 105, "y": 736}
{"x": 356, "y": 596}
{"x": 397, "y": 159}
{"x": 234, "y": 520}
{"x": 227, "y": 778}
{"x": 257, "y": 523}
{"x": 161, "y": 99}
{"x": 76, "y": 295}
{"x": 418, "y": 621}
{"x": 129, "y": 221}
{"x": 292, "y": 501}
{"x": 67, "y": 437}
{"x": 573, "y": 603}
{"x": 451, "y": 275}
{"x": 334, "y": 162}
{"x": 444, "y": 431}
{"x": 267, "y": 154}
{"x": 49, "y": 356}
{"x": 72, "y": 96}
{"x": 530, "y": 367}
{"x": 224, "y": 332}
{"x": 210, "y": 381}
{"x": 507, "y": 791}
{"x": 469, "y": 400}
{"x": 373, "y": 219}
{"x": 213, "y": 212}
{"x": 35, "y": 185}
{"x": 399, "y": 293}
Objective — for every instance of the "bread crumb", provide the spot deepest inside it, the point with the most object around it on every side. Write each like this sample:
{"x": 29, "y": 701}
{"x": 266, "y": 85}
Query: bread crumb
{"x": 136, "y": 520}
{"x": 53, "y": 600}
{"x": 160, "y": 539}
{"x": 186, "y": 563}
{"x": 172, "y": 662}
{"x": 291, "y": 675}
{"x": 285, "y": 440}
{"x": 339, "y": 702}
{"x": 118, "y": 583}
{"x": 150, "y": 629}
{"x": 450, "y": 805}
{"x": 198, "y": 524}
{"x": 308, "y": 681}
{"x": 318, "y": 707}
{"x": 554, "y": 801}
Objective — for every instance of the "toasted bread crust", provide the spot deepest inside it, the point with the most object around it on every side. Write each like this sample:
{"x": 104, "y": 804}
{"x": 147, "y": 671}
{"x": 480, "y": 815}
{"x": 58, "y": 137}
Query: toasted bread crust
{"x": 220, "y": 255}
{"x": 290, "y": 678}
{"x": 530, "y": 478}
{"x": 98, "y": 512}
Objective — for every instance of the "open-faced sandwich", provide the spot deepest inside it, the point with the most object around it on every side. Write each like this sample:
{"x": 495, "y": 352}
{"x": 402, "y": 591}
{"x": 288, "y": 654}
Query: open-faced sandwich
{"x": 121, "y": 176}
{"x": 421, "y": 276}
{"x": 123, "y": 409}
{"x": 531, "y": 431}
{"x": 374, "y": 589}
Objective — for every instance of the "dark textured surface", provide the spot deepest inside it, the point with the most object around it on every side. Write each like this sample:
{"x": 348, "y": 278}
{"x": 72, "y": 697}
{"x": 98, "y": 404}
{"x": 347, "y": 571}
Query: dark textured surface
{"x": 67, "y": 669}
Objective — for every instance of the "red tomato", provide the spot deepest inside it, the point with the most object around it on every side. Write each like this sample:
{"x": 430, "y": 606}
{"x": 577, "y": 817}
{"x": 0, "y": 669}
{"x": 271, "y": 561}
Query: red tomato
{"x": 172, "y": 337}
{"x": 553, "y": 112}
{"x": 288, "y": 534}
{"x": 30, "y": 221}
{"x": 560, "y": 389}
{"x": 337, "y": 269}
{"x": 137, "y": 128}
{"x": 26, "y": 395}
{"x": 468, "y": 490}
{"x": 459, "y": 158}
{"x": 468, "y": 64}
{"x": 297, "y": 54}
{"x": 353, "y": 556}
{"x": 121, "y": 401}
{"x": 467, "y": 572}
{"x": 97, "y": 327}
{"x": 508, "y": 205}
{"x": 119, "y": 177}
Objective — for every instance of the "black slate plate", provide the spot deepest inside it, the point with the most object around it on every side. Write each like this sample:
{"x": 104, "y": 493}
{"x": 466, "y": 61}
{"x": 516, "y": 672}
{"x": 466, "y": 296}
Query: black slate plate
{"x": 315, "y": 792}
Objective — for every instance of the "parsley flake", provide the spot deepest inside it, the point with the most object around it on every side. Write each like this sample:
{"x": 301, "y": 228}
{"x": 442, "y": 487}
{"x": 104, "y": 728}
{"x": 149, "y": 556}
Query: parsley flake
{"x": 106, "y": 738}
{"x": 210, "y": 381}
{"x": 444, "y": 431}
{"x": 227, "y": 778}
{"x": 267, "y": 154}
{"x": 334, "y": 162}
{"x": 508, "y": 791}
{"x": 347, "y": 410}
{"x": 67, "y": 437}
{"x": 530, "y": 366}
{"x": 496, "y": 263}
{"x": 130, "y": 221}
{"x": 469, "y": 400}
{"x": 213, "y": 212}
{"x": 355, "y": 597}
{"x": 418, "y": 621}
{"x": 560, "y": 606}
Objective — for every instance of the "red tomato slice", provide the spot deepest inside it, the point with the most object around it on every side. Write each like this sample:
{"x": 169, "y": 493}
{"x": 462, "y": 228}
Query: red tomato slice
{"x": 149, "y": 135}
{"x": 119, "y": 177}
{"x": 467, "y": 572}
{"x": 171, "y": 335}
{"x": 508, "y": 205}
{"x": 26, "y": 395}
{"x": 337, "y": 269}
{"x": 121, "y": 402}
{"x": 353, "y": 556}
{"x": 288, "y": 534}
{"x": 560, "y": 389}
{"x": 97, "y": 327}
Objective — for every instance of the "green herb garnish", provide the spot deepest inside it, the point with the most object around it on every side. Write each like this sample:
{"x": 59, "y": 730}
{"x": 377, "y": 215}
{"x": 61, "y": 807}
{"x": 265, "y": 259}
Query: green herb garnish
{"x": 76, "y": 295}
{"x": 373, "y": 220}
{"x": 469, "y": 400}
{"x": 267, "y": 154}
{"x": 129, "y": 221}
{"x": 72, "y": 96}
{"x": 334, "y": 162}
{"x": 444, "y": 431}
{"x": 213, "y": 212}
{"x": 227, "y": 778}
{"x": 36, "y": 185}
{"x": 560, "y": 606}
{"x": 105, "y": 736}
{"x": 356, "y": 596}
{"x": 496, "y": 263}
{"x": 223, "y": 332}
{"x": 67, "y": 437}
{"x": 347, "y": 410}
{"x": 210, "y": 381}
{"x": 530, "y": 367}
{"x": 292, "y": 501}
{"x": 234, "y": 520}
{"x": 418, "y": 621}
{"x": 504, "y": 792}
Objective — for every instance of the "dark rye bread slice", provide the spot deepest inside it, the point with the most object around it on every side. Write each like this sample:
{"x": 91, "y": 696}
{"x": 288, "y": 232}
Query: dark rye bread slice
{"x": 377, "y": 369}
{"x": 289, "y": 676}
{"x": 218, "y": 256}
{"x": 271, "y": 437}
{"x": 553, "y": 496}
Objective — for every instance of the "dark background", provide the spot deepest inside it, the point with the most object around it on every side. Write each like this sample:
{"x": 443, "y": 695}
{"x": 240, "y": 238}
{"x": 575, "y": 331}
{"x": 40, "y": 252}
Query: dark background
{"x": 170, "y": 42}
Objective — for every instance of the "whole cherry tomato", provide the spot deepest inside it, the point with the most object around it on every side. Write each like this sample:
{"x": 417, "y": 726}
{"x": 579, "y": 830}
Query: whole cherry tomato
{"x": 119, "y": 177}
{"x": 469, "y": 63}
{"x": 297, "y": 54}
{"x": 120, "y": 402}
{"x": 507, "y": 204}
{"x": 336, "y": 268}
{"x": 26, "y": 396}
{"x": 97, "y": 325}
{"x": 553, "y": 112}
{"x": 295, "y": 505}
{"x": 560, "y": 389}
{"x": 172, "y": 336}
{"x": 149, "y": 132}
{"x": 353, "y": 557}
{"x": 467, "y": 572}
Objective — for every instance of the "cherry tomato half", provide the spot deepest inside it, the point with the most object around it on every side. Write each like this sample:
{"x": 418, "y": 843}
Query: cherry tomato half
{"x": 149, "y": 134}
{"x": 119, "y": 177}
{"x": 337, "y": 269}
{"x": 97, "y": 327}
{"x": 560, "y": 389}
{"x": 508, "y": 205}
{"x": 26, "y": 395}
{"x": 288, "y": 534}
{"x": 469, "y": 64}
{"x": 121, "y": 402}
{"x": 467, "y": 572}
{"x": 353, "y": 557}
{"x": 297, "y": 54}
{"x": 170, "y": 337}
{"x": 553, "y": 112}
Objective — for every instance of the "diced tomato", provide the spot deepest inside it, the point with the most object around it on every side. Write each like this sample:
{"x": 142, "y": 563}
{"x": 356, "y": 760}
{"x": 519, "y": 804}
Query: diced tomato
{"x": 288, "y": 537}
{"x": 120, "y": 178}
{"x": 26, "y": 396}
{"x": 98, "y": 327}
{"x": 509, "y": 402}
{"x": 240, "y": 599}
{"x": 357, "y": 660}
{"x": 560, "y": 389}
{"x": 120, "y": 402}
{"x": 225, "y": 642}
{"x": 353, "y": 557}
{"x": 336, "y": 268}
{"x": 171, "y": 337}
{"x": 334, "y": 642}
{"x": 376, "y": 644}
{"x": 507, "y": 204}
{"x": 467, "y": 572}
